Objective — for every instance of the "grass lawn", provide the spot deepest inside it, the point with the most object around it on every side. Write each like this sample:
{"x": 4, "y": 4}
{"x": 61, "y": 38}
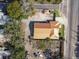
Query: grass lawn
{"x": 57, "y": 12}
{"x": 42, "y": 44}
{"x": 61, "y": 30}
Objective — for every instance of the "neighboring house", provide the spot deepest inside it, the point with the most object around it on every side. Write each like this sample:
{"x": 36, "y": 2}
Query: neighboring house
{"x": 1, "y": 28}
{"x": 3, "y": 20}
{"x": 49, "y": 30}
{"x": 5, "y": 1}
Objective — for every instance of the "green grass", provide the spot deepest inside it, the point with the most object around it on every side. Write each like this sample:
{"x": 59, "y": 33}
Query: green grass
{"x": 57, "y": 12}
{"x": 42, "y": 44}
{"x": 23, "y": 17}
{"x": 61, "y": 30}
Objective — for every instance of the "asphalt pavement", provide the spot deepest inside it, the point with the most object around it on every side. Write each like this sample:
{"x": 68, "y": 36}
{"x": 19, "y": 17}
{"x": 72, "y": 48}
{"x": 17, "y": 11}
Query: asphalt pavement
{"x": 73, "y": 18}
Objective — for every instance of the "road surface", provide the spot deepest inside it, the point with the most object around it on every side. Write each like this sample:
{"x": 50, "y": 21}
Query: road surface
{"x": 73, "y": 18}
{"x": 41, "y": 6}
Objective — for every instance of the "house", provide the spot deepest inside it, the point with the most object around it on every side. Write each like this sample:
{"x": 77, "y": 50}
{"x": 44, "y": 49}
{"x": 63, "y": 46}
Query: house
{"x": 50, "y": 30}
{"x": 5, "y": 1}
{"x": 3, "y": 20}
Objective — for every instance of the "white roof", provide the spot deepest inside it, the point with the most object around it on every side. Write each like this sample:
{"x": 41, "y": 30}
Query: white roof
{"x": 2, "y": 39}
{"x": 1, "y": 57}
{"x": 1, "y": 13}
{"x": 1, "y": 36}
{"x": 5, "y": 53}
{"x": 3, "y": 18}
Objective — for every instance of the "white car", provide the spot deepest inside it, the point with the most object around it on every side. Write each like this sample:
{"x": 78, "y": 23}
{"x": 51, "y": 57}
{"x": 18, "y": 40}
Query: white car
{"x": 41, "y": 54}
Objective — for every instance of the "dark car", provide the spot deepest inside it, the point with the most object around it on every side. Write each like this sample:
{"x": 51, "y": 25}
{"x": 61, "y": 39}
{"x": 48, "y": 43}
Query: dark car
{"x": 6, "y": 57}
{"x": 77, "y": 51}
{"x": 2, "y": 6}
{"x": 5, "y": 1}
{"x": 6, "y": 49}
{"x": 77, "y": 44}
{"x": 48, "y": 54}
{"x": 35, "y": 54}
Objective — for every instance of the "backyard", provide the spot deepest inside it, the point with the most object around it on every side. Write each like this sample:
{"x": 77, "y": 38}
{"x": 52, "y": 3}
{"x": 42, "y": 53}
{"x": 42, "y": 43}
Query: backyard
{"x": 44, "y": 44}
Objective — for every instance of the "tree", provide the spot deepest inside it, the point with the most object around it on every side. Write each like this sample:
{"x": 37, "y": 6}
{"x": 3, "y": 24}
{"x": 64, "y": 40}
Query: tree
{"x": 49, "y": 1}
{"x": 31, "y": 10}
{"x": 14, "y": 10}
{"x": 13, "y": 30}
{"x": 16, "y": 43}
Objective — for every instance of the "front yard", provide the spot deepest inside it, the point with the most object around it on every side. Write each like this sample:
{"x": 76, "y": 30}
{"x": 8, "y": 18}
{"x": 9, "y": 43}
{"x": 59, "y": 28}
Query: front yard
{"x": 61, "y": 30}
{"x": 57, "y": 12}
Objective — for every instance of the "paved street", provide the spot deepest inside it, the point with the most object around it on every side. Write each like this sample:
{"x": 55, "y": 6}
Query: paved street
{"x": 41, "y": 6}
{"x": 73, "y": 24}
{"x": 72, "y": 18}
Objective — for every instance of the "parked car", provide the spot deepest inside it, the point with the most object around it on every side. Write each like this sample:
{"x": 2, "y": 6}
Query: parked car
{"x": 35, "y": 54}
{"x": 48, "y": 54}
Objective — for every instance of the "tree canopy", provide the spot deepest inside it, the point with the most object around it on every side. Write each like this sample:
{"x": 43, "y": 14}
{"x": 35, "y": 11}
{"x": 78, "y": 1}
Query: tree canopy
{"x": 13, "y": 30}
{"x": 16, "y": 43}
{"x": 14, "y": 10}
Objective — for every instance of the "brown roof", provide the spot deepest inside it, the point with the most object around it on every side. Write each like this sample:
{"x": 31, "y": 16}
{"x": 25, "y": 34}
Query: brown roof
{"x": 41, "y": 25}
{"x": 54, "y": 24}
{"x": 50, "y": 24}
